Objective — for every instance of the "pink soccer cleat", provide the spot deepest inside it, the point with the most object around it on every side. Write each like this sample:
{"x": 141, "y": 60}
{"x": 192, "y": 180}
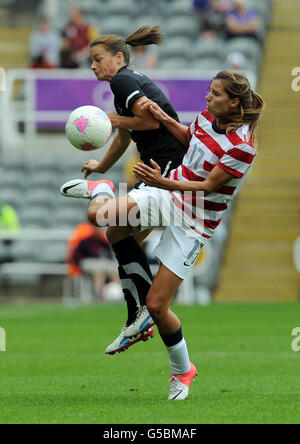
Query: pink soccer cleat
{"x": 179, "y": 384}
{"x": 80, "y": 188}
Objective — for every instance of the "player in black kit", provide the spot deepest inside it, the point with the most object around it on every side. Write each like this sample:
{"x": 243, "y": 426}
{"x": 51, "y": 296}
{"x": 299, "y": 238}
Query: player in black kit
{"x": 110, "y": 59}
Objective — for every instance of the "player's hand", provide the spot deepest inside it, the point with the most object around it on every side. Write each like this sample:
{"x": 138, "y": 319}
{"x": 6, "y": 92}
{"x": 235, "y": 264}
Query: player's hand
{"x": 154, "y": 108}
{"x": 150, "y": 176}
{"x": 91, "y": 166}
{"x": 114, "y": 119}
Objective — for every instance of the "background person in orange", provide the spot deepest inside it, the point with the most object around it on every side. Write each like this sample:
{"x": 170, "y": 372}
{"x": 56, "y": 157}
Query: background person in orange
{"x": 88, "y": 241}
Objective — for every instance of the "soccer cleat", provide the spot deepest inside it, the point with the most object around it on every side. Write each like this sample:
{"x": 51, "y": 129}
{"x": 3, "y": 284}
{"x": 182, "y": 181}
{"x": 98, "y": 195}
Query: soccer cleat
{"x": 121, "y": 343}
{"x": 80, "y": 188}
{"x": 142, "y": 323}
{"x": 179, "y": 384}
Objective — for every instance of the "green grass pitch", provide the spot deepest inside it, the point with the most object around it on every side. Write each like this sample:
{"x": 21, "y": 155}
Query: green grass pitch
{"x": 54, "y": 369}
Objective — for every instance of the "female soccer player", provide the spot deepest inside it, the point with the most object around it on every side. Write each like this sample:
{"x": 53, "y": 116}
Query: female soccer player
{"x": 110, "y": 59}
{"x": 221, "y": 151}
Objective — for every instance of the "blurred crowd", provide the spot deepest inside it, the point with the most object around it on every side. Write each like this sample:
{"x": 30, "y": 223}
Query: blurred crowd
{"x": 227, "y": 19}
{"x": 68, "y": 48}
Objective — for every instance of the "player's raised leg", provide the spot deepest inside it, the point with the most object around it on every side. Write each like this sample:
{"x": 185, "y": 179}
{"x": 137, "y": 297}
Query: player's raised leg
{"x": 134, "y": 271}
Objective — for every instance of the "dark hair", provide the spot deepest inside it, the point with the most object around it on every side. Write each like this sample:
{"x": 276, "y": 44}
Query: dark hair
{"x": 251, "y": 104}
{"x": 145, "y": 35}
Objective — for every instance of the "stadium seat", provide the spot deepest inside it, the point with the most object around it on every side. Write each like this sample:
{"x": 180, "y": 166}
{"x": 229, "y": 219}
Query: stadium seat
{"x": 143, "y": 8}
{"x": 52, "y": 252}
{"x": 116, "y": 7}
{"x": 207, "y": 63}
{"x": 35, "y": 217}
{"x": 68, "y": 218}
{"x": 71, "y": 206}
{"x": 173, "y": 63}
{"x": 247, "y": 46}
{"x": 152, "y": 20}
{"x": 22, "y": 251}
{"x": 5, "y": 251}
{"x": 175, "y": 47}
{"x": 39, "y": 164}
{"x": 43, "y": 199}
{"x": 182, "y": 26}
{"x": 11, "y": 197}
{"x": 72, "y": 166}
{"x": 7, "y": 2}
{"x": 45, "y": 180}
{"x": 12, "y": 162}
{"x": 118, "y": 25}
{"x": 92, "y": 8}
{"x": 12, "y": 180}
{"x": 248, "y": 65}
{"x": 208, "y": 48}
{"x": 179, "y": 8}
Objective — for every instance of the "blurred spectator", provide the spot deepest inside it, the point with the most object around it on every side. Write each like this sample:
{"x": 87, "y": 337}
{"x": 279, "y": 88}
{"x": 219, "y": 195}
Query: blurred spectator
{"x": 44, "y": 45}
{"x": 200, "y": 5}
{"x": 143, "y": 57}
{"x": 9, "y": 221}
{"x": 88, "y": 241}
{"x": 80, "y": 34}
{"x": 41, "y": 63}
{"x": 213, "y": 19}
{"x": 67, "y": 57}
{"x": 243, "y": 22}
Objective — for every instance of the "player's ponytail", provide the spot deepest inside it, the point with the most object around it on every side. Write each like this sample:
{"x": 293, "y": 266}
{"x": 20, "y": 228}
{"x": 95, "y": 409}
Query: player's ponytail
{"x": 145, "y": 35}
{"x": 251, "y": 104}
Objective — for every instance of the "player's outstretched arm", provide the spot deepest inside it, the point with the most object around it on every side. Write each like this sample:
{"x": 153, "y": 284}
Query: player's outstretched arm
{"x": 152, "y": 177}
{"x": 179, "y": 131}
{"x": 143, "y": 119}
{"x": 119, "y": 145}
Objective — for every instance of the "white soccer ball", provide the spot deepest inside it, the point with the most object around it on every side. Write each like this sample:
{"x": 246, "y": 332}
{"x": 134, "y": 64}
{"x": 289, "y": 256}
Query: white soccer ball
{"x": 88, "y": 128}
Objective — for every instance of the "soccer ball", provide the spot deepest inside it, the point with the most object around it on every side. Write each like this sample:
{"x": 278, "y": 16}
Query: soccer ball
{"x": 88, "y": 128}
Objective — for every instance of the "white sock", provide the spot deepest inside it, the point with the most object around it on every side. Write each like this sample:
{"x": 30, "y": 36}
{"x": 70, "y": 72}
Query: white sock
{"x": 102, "y": 189}
{"x": 179, "y": 358}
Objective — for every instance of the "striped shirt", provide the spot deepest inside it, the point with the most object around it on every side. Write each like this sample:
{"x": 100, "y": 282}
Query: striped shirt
{"x": 210, "y": 146}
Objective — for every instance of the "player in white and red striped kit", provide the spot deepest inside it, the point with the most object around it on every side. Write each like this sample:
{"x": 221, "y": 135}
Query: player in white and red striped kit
{"x": 220, "y": 152}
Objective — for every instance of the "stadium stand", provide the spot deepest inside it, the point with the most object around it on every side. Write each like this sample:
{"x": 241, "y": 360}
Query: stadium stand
{"x": 21, "y": 172}
{"x": 259, "y": 258}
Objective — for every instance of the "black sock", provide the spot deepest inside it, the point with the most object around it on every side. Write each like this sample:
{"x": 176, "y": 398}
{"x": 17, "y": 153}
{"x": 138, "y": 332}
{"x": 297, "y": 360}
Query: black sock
{"x": 173, "y": 338}
{"x": 132, "y": 304}
{"x": 135, "y": 274}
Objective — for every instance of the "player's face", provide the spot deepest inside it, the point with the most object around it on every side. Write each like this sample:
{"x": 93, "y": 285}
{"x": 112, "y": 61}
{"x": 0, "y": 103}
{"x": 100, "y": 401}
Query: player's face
{"x": 104, "y": 64}
{"x": 219, "y": 104}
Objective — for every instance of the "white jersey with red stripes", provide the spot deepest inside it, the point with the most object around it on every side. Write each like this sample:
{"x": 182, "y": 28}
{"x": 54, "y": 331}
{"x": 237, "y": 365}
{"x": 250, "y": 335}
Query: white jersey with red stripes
{"x": 209, "y": 147}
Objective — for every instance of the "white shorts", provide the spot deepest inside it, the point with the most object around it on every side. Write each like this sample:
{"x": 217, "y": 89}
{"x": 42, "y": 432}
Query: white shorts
{"x": 179, "y": 245}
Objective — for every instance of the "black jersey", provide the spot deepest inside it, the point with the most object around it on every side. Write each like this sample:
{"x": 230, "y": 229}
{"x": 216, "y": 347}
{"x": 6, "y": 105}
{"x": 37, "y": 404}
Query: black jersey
{"x": 159, "y": 144}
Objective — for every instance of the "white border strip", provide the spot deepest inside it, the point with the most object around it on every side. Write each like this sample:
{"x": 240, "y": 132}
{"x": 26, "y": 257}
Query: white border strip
{"x": 130, "y": 97}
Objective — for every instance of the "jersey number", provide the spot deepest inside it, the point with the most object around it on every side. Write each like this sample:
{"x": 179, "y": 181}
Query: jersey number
{"x": 196, "y": 149}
